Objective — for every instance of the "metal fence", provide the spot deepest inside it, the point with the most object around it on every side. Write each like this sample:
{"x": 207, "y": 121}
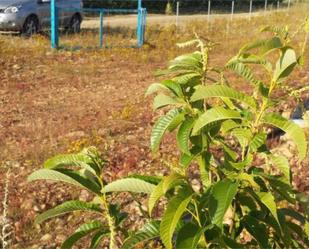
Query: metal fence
{"x": 99, "y": 34}
{"x": 108, "y": 27}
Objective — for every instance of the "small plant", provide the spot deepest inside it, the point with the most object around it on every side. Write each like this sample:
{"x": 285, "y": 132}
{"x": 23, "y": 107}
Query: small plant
{"x": 169, "y": 8}
{"x": 238, "y": 202}
{"x": 84, "y": 169}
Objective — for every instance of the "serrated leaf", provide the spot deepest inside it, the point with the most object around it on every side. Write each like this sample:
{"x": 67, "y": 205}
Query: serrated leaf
{"x": 186, "y": 78}
{"x": 65, "y": 175}
{"x": 221, "y": 198}
{"x": 213, "y": 115}
{"x": 160, "y": 128}
{"x": 190, "y": 62}
{"x": 81, "y": 232}
{"x": 282, "y": 163}
{"x": 293, "y": 214}
{"x": 176, "y": 122}
{"x": 270, "y": 45}
{"x": 165, "y": 185}
{"x": 78, "y": 159}
{"x": 257, "y": 230}
{"x": 97, "y": 238}
{"x": 129, "y": 185}
{"x": 255, "y": 59}
{"x": 269, "y": 201}
{"x": 203, "y": 92}
{"x": 175, "y": 209}
{"x": 188, "y": 236}
{"x": 67, "y": 207}
{"x": 243, "y": 70}
{"x": 156, "y": 87}
{"x": 148, "y": 232}
{"x": 185, "y": 160}
{"x": 258, "y": 140}
{"x": 147, "y": 178}
{"x": 204, "y": 161}
{"x": 285, "y": 64}
{"x": 242, "y": 135}
{"x": 184, "y": 134}
{"x": 162, "y": 100}
{"x": 173, "y": 86}
{"x": 291, "y": 129}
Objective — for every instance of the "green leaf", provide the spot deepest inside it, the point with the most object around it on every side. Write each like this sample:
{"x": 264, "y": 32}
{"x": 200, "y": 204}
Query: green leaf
{"x": 243, "y": 70}
{"x": 148, "y": 232}
{"x": 242, "y": 135}
{"x": 203, "y": 92}
{"x": 255, "y": 59}
{"x": 221, "y": 198}
{"x": 162, "y": 100}
{"x": 175, "y": 209}
{"x": 173, "y": 86}
{"x": 67, "y": 207}
{"x": 96, "y": 239}
{"x": 213, "y": 115}
{"x": 257, "y": 141}
{"x": 184, "y": 134}
{"x": 160, "y": 128}
{"x": 156, "y": 87}
{"x": 285, "y": 64}
{"x": 282, "y": 163}
{"x": 204, "y": 162}
{"x": 293, "y": 214}
{"x": 150, "y": 179}
{"x": 257, "y": 230}
{"x": 270, "y": 45}
{"x": 81, "y": 232}
{"x": 176, "y": 122}
{"x": 189, "y": 62}
{"x": 82, "y": 159}
{"x": 129, "y": 185}
{"x": 165, "y": 185}
{"x": 65, "y": 175}
{"x": 291, "y": 129}
{"x": 186, "y": 78}
{"x": 269, "y": 201}
{"x": 185, "y": 160}
{"x": 189, "y": 236}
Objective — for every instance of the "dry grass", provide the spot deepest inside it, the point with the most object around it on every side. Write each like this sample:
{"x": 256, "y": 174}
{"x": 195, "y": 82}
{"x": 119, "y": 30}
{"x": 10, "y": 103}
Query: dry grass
{"x": 56, "y": 101}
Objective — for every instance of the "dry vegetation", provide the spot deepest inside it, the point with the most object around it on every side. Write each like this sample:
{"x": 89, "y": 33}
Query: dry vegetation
{"x": 58, "y": 101}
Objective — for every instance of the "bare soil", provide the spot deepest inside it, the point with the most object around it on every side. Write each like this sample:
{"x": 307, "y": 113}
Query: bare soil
{"x": 61, "y": 101}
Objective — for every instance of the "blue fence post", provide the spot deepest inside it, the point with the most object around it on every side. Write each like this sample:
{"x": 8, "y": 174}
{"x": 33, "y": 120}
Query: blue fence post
{"x": 144, "y": 26}
{"x": 139, "y": 23}
{"x": 101, "y": 28}
{"x": 54, "y": 24}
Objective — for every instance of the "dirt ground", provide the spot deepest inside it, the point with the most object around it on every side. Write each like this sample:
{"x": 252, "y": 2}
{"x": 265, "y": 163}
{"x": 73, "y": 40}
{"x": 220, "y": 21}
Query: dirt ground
{"x": 61, "y": 101}
{"x": 154, "y": 19}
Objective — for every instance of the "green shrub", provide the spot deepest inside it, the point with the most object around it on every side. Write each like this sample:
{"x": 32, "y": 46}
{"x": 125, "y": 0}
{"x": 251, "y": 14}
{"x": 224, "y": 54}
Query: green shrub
{"x": 169, "y": 8}
{"x": 235, "y": 202}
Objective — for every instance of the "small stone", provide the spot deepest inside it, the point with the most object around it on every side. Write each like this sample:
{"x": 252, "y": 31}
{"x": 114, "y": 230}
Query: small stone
{"x": 46, "y": 237}
{"x": 75, "y": 134}
{"x": 60, "y": 238}
{"x": 196, "y": 185}
{"x": 84, "y": 195}
{"x": 36, "y": 209}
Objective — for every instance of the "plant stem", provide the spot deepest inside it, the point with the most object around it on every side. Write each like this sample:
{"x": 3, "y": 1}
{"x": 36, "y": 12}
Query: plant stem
{"x": 199, "y": 222}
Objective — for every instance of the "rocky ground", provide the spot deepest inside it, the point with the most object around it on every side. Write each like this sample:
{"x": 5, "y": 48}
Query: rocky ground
{"x": 56, "y": 102}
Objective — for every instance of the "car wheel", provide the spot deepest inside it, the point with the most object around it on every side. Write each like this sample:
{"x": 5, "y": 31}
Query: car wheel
{"x": 31, "y": 26}
{"x": 75, "y": 24}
